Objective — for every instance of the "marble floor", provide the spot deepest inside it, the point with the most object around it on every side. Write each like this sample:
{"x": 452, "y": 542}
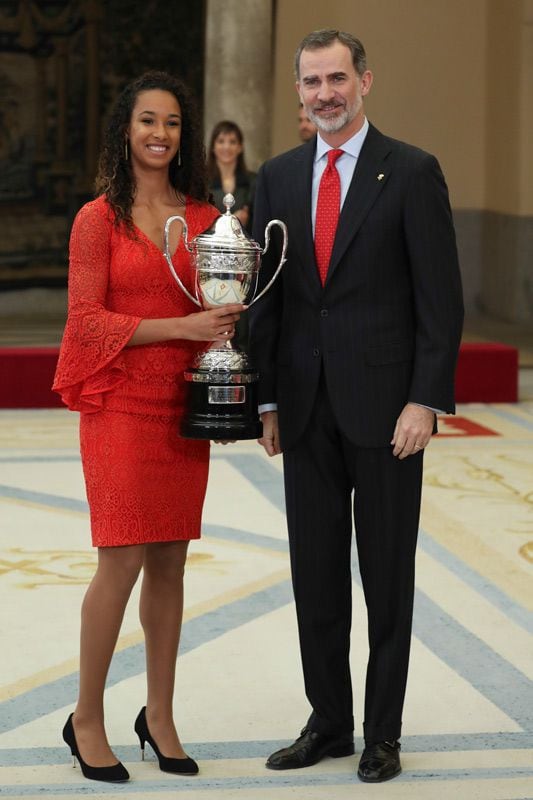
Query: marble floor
{"x": 468, "y": 723}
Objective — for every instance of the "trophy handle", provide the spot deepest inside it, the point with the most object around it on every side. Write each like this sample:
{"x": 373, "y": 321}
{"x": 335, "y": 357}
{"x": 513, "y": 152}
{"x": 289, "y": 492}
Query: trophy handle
{"x": 283, "y": 252}
{"x": 167, "y": 255}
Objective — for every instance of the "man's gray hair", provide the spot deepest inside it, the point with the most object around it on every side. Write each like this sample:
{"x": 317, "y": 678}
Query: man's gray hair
{"x": 327, "y": 37}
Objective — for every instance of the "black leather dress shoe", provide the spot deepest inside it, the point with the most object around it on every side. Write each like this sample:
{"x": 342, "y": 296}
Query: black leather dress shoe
{"x": 310, "y": 748}
{"x": 380, "y": 762}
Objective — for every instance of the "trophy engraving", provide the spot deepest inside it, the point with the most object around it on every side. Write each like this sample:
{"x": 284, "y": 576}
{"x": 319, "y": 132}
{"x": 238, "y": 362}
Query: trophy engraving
{"x": 222, "y": 381}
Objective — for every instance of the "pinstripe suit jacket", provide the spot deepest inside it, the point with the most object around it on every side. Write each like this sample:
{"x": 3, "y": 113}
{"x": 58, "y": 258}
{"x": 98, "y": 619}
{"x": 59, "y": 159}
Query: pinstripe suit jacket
{"x": 387, "y": 324}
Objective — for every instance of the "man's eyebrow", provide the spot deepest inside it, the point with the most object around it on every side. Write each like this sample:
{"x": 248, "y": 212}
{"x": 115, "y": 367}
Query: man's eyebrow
{"x": 338, "y": 74}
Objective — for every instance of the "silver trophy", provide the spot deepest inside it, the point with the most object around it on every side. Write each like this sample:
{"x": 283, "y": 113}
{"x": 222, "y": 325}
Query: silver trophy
{"x": 223, "y": 383}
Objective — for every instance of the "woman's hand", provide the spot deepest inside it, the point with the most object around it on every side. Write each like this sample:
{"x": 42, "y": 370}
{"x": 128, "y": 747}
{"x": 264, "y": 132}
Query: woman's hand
{"x": 215, "y": 324}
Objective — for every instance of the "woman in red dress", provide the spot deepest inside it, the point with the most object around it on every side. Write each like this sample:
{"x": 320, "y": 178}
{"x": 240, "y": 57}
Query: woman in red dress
{"x": 130, "y": 333}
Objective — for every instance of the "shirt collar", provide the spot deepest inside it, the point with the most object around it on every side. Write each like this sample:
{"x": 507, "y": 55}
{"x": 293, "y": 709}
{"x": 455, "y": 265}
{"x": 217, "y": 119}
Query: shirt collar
{"x": 352, "y": 146}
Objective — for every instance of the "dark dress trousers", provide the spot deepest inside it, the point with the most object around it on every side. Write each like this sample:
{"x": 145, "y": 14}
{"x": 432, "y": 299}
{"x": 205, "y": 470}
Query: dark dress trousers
{"x": 341, "y": 361}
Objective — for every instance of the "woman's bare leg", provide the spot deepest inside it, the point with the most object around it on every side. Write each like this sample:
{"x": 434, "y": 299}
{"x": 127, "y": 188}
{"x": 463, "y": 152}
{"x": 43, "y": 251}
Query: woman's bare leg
{"x": 161, "y": 612}
{"x": 101, "y": 617}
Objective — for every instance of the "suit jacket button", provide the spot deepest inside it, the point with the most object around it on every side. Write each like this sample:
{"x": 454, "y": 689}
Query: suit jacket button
{"x": 316, "y": 351}
{"x": 323, "y": 312}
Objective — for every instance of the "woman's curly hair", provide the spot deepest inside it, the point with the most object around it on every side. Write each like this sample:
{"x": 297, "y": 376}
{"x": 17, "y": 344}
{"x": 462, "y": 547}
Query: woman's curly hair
{"x": 115, "y": 176}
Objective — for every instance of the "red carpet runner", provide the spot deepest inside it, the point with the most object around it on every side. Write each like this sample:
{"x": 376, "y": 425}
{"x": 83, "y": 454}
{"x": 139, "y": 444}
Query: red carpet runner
{"x": 26, "y": 375}
{"x": 486, "y": 373}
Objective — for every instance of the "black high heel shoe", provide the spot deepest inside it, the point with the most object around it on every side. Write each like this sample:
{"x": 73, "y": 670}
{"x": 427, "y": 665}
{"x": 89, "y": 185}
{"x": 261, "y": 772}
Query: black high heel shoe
{"x": 117, "y": 773}
{"x": 179, "y": 766}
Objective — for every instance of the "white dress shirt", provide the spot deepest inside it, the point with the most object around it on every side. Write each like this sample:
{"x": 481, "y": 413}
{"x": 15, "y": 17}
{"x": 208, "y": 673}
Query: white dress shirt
{"x": 345, "y": 164}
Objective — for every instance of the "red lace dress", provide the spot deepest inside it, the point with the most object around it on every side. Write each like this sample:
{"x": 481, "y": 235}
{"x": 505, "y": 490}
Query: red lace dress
{"x": 144, "y": 482}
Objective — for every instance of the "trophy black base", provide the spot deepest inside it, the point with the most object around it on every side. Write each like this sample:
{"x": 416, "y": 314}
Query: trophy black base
{"x": 223, "y": 409}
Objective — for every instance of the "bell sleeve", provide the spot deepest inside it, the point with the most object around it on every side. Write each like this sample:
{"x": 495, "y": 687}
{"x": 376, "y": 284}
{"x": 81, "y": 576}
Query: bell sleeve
{"x": 91, "y": 361}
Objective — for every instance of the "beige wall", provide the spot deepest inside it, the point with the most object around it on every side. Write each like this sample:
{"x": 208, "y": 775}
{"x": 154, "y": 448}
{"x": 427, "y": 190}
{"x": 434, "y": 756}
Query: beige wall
{"x": 526, "y": 106}
{"x": 428, "y": 59}
{"x": 509, "y": 163}
{"x": 454, "y": 77}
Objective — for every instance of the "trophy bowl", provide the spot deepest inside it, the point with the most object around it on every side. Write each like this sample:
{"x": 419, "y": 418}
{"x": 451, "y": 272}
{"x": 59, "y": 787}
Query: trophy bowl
{"x": 222, "y": 402}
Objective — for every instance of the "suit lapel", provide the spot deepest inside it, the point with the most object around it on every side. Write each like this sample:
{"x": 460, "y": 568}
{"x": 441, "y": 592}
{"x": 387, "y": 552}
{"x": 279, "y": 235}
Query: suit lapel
{"x": 369, "y": 178}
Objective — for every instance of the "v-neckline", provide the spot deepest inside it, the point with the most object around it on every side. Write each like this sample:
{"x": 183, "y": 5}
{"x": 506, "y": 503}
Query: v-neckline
{"x": 151, "y": 241}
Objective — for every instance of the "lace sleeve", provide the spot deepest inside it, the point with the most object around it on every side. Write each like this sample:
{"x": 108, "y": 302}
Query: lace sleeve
{"x": 90, "y": 359}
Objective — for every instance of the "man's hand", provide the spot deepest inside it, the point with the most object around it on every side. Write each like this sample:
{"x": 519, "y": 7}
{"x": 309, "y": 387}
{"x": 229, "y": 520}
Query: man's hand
{"x": 413, "y": 430}
{"x": 270, "y": 437}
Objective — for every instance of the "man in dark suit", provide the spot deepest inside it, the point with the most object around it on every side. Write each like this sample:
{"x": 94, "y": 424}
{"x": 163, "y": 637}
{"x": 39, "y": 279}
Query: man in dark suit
{"x": 356, "y": 347}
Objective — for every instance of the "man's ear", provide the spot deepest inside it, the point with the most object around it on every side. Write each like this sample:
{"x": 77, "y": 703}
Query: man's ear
{"x": 366, "y": 82}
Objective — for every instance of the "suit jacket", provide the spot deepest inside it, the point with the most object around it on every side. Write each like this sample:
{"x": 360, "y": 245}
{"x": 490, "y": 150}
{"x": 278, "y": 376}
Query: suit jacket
{"x": 386, "y": 326}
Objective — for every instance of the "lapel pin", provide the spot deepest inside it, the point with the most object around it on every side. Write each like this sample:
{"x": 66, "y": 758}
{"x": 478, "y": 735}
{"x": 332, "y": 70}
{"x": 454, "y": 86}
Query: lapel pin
{"x": 381, "y": 176}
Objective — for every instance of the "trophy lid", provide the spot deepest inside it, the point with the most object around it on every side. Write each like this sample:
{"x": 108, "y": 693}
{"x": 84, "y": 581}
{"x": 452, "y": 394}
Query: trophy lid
{"x": 226, "y": 232}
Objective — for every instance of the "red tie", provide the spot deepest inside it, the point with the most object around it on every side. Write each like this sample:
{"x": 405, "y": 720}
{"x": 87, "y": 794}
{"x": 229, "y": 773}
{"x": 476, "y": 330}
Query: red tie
{"x": 327, "y": 213}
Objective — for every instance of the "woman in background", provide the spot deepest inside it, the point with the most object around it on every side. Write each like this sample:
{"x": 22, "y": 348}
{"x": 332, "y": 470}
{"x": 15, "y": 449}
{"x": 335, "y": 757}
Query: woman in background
{"x": 227, "y": 173}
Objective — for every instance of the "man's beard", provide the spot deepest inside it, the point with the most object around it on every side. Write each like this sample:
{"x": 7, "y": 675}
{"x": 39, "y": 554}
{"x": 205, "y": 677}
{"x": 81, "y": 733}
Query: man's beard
{"x": 336, "y": 123}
